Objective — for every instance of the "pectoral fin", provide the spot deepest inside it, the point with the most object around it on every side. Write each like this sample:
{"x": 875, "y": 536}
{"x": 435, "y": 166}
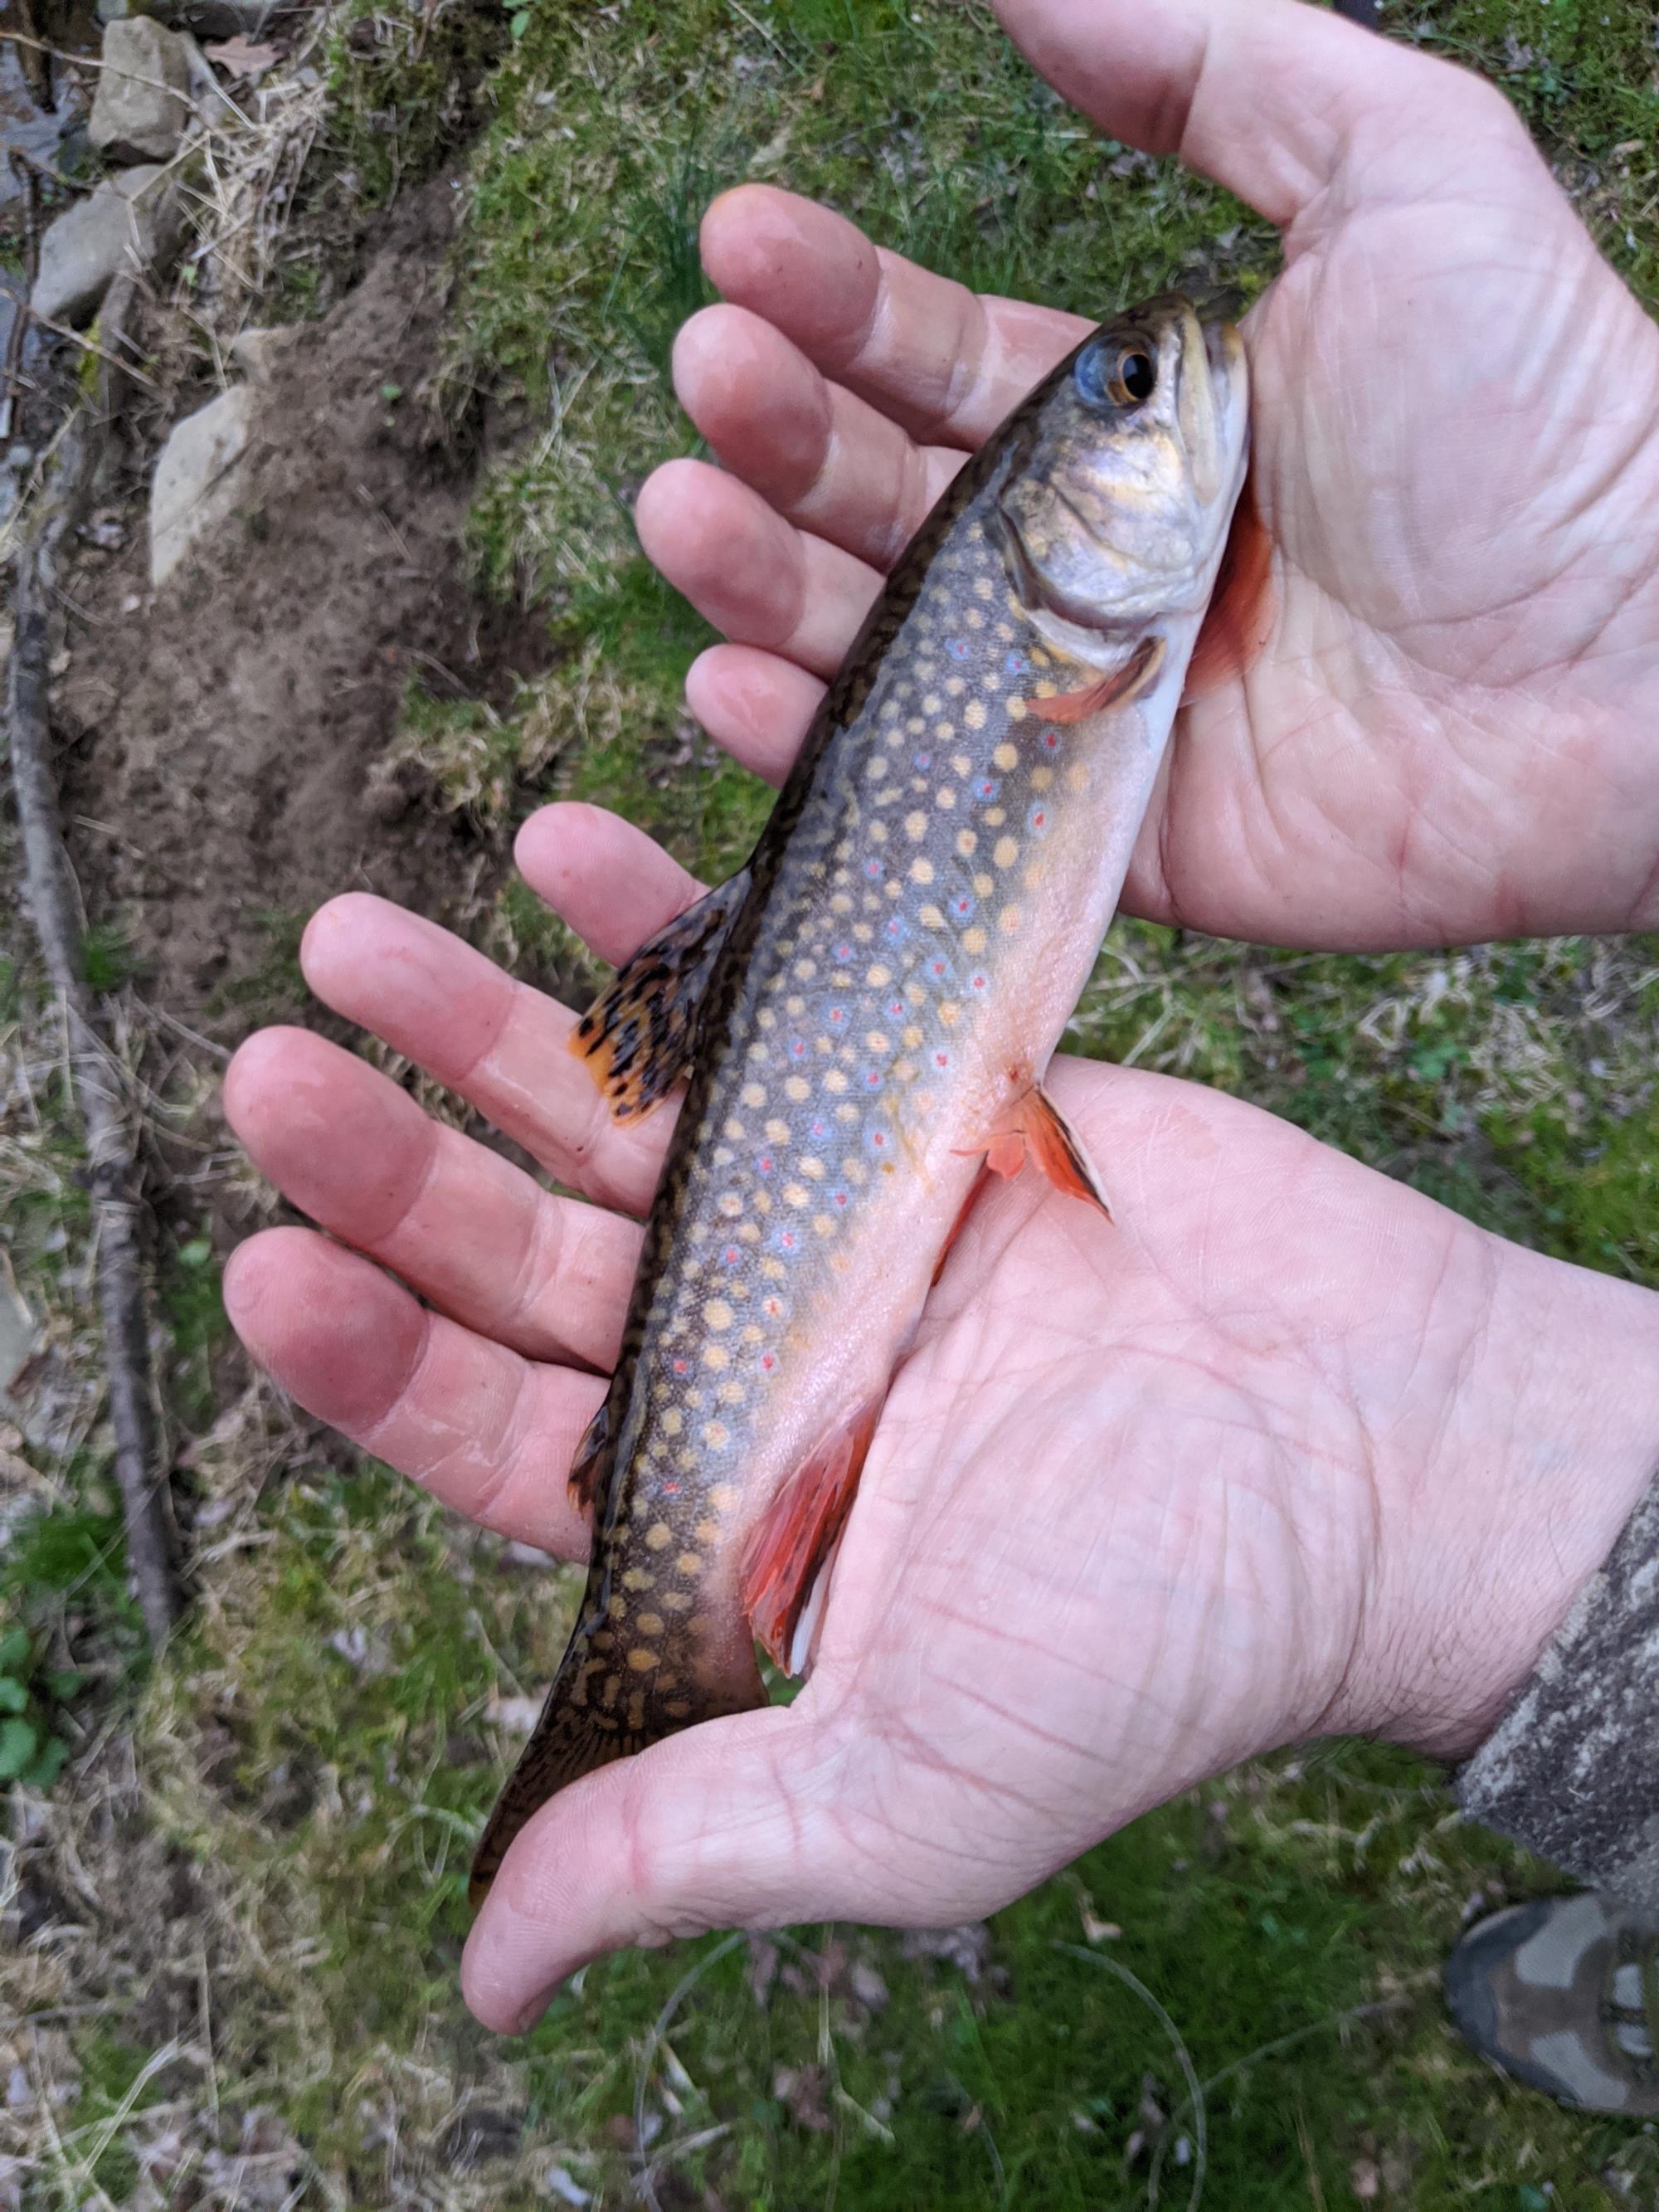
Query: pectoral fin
{"x": 639, "y": 1033}
{"x": 1112, "y": 690}
{"x": 1034, "y": 1129}
{"x": 794, "y": 1540}
{"x": 583, "y": 1476}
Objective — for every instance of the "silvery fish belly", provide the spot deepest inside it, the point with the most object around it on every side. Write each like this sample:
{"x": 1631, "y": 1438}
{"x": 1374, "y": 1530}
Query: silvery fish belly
{"x": 864, "y": 1015}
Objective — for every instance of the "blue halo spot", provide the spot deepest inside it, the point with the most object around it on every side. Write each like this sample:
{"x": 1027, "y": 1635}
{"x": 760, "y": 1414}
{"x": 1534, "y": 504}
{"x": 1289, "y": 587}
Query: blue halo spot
{"x": 1049, "y": 740}
{"x": 873, "y": 869}
{"x": 987, "y": 788}
{"x": 837, "y": 1015}
{"x": 979, "y": 983}
{"x": 895, "y": 929}
{"x": 764, "y": 1163}
{"x": 957, "y": 647}
{"x": 922, "y": 759}
{"x": 879, "y": 1140}
{"x": 842, "y": 949}
{"x": 1037, "y": 820}
{"x": 1016, "y": 664}
{"x": 961, "y": 907}
{"x": 797, "y": 1048}
{"x": 786, "y": 1239}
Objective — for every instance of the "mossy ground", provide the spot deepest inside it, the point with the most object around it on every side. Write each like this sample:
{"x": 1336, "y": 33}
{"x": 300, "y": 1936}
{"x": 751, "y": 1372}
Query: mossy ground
{"x": 245, "y": 1946}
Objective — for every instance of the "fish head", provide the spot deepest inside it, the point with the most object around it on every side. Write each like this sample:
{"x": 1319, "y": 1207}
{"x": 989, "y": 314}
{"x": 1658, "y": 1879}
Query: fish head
{"x": 1113, "y": 510}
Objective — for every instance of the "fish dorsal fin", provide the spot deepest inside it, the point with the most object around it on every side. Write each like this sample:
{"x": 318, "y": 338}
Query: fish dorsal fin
{"x": 585, "y": 1466}
{"x": 639, "y": 1035}
{"x": 793, "y": 1540}
{"x": 1034, "y": 1129}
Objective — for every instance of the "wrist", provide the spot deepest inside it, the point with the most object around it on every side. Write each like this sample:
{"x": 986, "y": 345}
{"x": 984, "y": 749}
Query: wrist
{"x": 1495, "y": 1506}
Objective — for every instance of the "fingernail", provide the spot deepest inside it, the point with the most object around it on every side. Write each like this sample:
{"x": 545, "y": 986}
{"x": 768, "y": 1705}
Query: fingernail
{"x": 533, "y": 2011}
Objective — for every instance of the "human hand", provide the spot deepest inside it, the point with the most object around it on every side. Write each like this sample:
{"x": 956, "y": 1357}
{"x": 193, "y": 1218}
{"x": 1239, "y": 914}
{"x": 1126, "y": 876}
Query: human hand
{"x": 1289, "y": 1448}
{"x": 1448, "y": 735}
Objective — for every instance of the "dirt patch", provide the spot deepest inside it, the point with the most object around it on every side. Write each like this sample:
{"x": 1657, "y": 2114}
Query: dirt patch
{"x": 223, "y": 734}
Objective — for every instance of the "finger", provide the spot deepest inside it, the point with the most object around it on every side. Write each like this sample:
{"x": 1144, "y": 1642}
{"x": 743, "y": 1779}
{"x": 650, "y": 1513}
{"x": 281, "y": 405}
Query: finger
{"x": 484, "y": 1431}
{"x": 573, "y": 856}
{"x": 546, "y": 1276}
{"x": 756, "y": 705}
{"x": 945, "y": 363}
{"x": 826, "y": 459}
{"x": 747, "y": 570}
{"x": 1274, "y": 100}
{"x": 721, "y": 1827}
{"x": 502, "y": 1046}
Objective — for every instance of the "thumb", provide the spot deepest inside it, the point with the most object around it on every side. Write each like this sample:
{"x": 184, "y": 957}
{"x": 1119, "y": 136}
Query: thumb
{"x": 723, "y": 1825}
{"x": 1274, "y": 100}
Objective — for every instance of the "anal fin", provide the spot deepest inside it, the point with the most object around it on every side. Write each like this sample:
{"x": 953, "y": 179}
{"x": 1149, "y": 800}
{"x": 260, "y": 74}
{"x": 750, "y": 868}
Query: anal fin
{"x": 639, "y": 1035}
{"x": 793, "y": 1541}
{"x": 1034, "y": 1129}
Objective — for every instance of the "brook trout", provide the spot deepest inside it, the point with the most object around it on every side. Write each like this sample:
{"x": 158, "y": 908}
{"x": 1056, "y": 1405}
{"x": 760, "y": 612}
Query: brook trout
{"x": 865, "y": 1012}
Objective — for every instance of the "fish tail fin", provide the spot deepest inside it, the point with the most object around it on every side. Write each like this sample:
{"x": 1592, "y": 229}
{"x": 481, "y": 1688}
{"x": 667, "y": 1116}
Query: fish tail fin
{"x": 596, "y": 1713}
{"x": 573, "y": 1736}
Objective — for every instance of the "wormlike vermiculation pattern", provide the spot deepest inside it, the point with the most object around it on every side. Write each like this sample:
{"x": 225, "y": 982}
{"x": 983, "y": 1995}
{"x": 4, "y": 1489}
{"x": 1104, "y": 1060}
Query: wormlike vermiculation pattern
{"x": 898, "y": 896}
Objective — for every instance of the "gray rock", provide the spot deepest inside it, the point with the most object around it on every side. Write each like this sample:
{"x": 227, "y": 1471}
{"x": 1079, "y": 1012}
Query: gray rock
{"x": 141, "y": 105}
{"x": 257, "y": 353}
{"x": 83, "y": 250}
{"x": 199, "y": 478}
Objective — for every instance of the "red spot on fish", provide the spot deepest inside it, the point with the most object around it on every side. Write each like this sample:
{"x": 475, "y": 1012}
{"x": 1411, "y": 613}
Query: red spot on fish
{"x": 671, "y": 1489}
{"x": 767, "y": 1362}
{"x": 679, "y": 1367}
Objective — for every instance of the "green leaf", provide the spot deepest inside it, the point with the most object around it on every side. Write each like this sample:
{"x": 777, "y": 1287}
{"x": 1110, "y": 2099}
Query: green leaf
{"x": 20, "y": 1746}
{"x": 519, "y": 22}
{"x": 48, "y": 1766}
{"x": 14, "y": 1651}
{"x": 196, "y": 1254}
{"x": 14, "y": 1696}
{"x": 63, "y": 1682}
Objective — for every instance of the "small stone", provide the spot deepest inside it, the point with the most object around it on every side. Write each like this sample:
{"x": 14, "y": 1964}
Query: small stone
{"x": 84, "y": 249}
{"x": 257, "y": 353}
{"x": 18, "y": 1328}
{"x": 141, "y": 104}
{"x": 198, "y": 482}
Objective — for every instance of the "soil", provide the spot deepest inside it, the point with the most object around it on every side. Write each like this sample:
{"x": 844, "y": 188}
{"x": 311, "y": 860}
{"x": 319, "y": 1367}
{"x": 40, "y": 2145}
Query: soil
{"x": 223, "y": 734}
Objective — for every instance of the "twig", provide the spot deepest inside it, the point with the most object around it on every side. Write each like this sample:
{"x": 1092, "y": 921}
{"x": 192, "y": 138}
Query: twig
{"x": 54, "y": 900}
{"x": 20, "y": 321}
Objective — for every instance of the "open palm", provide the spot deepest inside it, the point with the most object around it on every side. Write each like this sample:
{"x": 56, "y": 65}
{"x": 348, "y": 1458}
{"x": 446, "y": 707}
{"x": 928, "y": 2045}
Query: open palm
{"x": 1456, "y": 405}
{"x": 1144, "y": 1497}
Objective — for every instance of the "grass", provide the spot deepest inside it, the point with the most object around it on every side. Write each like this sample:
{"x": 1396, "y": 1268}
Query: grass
{"x": 276, "y": 1873}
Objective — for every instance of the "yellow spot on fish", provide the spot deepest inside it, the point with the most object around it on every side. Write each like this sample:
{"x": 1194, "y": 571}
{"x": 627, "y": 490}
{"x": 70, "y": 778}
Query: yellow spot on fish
{"x": 717, "y": 1314}
{"x": 876, "y": 977}
{"x": 806, "y": 969}
{"x": 915, "y": 825}
{"x": 797, "y": 1088}
{"x": 730, "y": 1204}
{"x": 823, "y": 1224}
{"x": 723, "y": 1496}
{"x": 638, "y": 1578}
{"x": 1076, "y": 779}
{"x": 1006, "y": 757}
{"x": 1041, "y": 778}
{"x": 930, "y": 917}
{"x": 921, "y": 872}
{"x": 966, "y": 842}
{"x": 974, "y": 715}
{"x": 1033, "y": 875}
{"x": 716, "y": 1436}
{"x": 657, "y": 1536}
{"x": 1015, "y": 707}
{"x": 809, "y": 1166}
{"x": 995, "y": 817}
{"x": 961, "y": 763}
{"x": 1008, "y": 921}
{"x": 981, "y": 588}
{"x": 794, "y": 1194}
{"x": 640, "y": 1660}
{"x": 706, "y": 1532}
{"x": 617, "y": 1608}
{"x": 1007, "y": 852}
{"x": 672, "y": 1421}
{"x": 911, "y": 1037}
{"x": 834, "y": 1080}
{"x": 945, "y": 798}
{"x": 734, "y": 1129}
{"x": 794, "y": 1004}
{"x": 650, "y": 1623}
{"x": 973, "y": 940}
{"x": 716, "y": 1356}
{"x": 778, "y": 1131}
{"x": 689, "y": 1564}
{"x": 951, "y": 1013}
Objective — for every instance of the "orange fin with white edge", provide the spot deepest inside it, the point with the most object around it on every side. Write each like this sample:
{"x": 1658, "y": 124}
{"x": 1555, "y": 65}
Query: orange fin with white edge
{"x": 957, "y": 1228}
{"x": 1113, "y": 690}
{"x": 639, "y": 1035}
{"x": 1242, "y": 608}
{"x": 793, "y": 1540}
{"x": 1034, "y": 1129}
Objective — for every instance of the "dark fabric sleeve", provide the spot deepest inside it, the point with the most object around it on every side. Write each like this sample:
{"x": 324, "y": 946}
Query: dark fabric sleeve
{"x": 1572, "y": 1770}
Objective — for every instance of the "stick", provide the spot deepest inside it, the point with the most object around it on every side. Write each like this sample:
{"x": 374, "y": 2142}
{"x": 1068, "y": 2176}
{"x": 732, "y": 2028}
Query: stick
{"x": 20, "y": 321}
{"x": 54, "y": 901}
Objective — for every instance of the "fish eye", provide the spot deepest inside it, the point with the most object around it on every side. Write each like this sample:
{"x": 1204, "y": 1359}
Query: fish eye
{"x": 1116, "y": 376}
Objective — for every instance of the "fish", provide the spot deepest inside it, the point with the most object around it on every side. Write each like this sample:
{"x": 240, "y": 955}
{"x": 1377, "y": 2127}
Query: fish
{"x": 863, "y": 1015}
